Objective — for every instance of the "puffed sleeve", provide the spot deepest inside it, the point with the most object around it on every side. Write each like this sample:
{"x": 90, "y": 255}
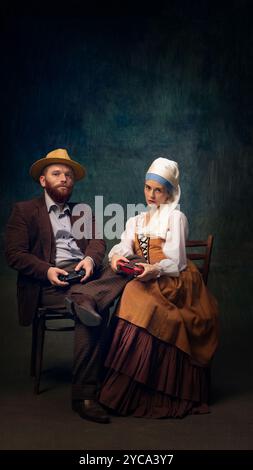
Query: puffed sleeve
{"x": 125, "y": 247}
{"x": 174, "y": 246}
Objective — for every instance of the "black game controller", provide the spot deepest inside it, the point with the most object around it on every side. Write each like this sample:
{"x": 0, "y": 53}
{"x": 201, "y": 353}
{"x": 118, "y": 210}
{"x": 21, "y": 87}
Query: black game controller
{"x": 73, "y": 276}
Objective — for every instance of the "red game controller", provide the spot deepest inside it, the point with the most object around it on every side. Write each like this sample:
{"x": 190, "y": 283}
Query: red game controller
{"x": 129, "y": 268}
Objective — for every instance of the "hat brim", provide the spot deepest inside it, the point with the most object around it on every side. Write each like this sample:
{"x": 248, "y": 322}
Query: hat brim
{"x": 37, "y": 167}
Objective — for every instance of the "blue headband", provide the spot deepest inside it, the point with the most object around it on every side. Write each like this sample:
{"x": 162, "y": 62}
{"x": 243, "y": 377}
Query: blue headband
{"x": 160, "y": 179}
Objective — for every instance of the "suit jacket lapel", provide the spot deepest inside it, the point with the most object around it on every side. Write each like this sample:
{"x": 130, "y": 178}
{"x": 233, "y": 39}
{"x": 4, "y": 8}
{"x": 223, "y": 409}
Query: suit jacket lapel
{"x": 46, "y": 232}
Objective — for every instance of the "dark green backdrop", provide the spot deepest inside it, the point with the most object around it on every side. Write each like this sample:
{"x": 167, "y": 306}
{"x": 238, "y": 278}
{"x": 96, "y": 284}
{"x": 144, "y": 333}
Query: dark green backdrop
{"x": 118, "y": 89}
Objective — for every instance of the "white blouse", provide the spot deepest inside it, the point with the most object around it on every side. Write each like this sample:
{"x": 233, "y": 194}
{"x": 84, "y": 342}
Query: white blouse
{"x": 175, "y": 237}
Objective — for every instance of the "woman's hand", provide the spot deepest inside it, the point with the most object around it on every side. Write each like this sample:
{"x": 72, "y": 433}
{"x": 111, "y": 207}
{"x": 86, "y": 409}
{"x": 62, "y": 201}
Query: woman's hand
{"x": 114, "y": 261}
{"x": 151, "y": 271}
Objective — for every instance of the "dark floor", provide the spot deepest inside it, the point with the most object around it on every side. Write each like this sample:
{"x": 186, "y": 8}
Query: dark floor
{"x": 46, "y": 421}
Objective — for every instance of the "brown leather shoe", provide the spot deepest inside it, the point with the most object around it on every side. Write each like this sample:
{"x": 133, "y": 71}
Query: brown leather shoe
{"x": 91, "y": 410}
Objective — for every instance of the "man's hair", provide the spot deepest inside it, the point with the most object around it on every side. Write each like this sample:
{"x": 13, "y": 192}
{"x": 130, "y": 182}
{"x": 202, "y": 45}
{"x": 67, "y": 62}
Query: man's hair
{"x": 44, "y": 171}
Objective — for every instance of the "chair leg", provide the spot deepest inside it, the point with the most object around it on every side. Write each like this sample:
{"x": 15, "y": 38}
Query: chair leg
{"x": 34, "y": 345}
{"x": 209, "y": 381}
{"x": 39, "y": 352}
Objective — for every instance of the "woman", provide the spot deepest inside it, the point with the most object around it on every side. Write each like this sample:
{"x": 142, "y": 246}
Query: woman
{"x": 166, "y": 334}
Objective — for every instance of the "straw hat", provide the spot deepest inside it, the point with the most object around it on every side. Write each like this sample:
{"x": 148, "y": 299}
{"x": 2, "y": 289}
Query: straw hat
{"x": 57, "y": 156}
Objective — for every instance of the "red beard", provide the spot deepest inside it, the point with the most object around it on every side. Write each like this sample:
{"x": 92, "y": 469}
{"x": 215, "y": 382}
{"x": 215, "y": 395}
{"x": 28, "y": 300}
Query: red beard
{"x": 58, "y": 196}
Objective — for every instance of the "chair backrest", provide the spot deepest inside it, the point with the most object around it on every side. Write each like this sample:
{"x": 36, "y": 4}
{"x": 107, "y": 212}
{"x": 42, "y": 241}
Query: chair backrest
{"x": 202, "y": 255}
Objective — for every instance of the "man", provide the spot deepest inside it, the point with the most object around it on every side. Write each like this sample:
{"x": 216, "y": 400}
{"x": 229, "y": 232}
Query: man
{"x": 41, "y": 247}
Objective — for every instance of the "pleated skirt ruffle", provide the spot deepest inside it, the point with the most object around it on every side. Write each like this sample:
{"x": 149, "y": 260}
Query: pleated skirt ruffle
{"x": 150, "y": 378}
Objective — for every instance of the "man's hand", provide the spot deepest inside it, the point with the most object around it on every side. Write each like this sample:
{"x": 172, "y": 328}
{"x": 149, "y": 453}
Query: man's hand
{"x": 114, "y": 261}
{"x": 151, "y": 271}
{"x": 88, "y": 265}
{"x": 52, "y": 275}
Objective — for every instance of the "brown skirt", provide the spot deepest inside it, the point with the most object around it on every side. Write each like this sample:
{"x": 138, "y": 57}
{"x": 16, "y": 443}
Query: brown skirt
{"x": 150, "y": 378}
{"x": 178, "y": 310}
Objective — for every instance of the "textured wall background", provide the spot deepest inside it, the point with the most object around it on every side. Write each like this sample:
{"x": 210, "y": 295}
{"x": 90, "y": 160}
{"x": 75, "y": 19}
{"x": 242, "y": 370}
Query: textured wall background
{"x": 119, "y": 89}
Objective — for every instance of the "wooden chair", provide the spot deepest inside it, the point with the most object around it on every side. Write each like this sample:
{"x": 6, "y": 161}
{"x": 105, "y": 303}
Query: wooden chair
{"x": 202, "y": 258}
{"x": 41, "y": 322}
